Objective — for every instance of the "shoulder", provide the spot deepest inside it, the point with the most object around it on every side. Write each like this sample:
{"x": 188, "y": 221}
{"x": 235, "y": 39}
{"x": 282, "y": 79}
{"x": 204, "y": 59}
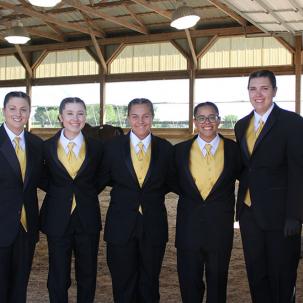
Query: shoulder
{"x": 34, "y": 138}
{"x": 162, "y": 141}
{"x": 182, "y": 145}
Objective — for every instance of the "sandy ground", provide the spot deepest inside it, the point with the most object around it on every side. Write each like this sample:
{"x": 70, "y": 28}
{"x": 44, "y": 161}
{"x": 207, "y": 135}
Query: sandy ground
{"x": 238, "y": 291}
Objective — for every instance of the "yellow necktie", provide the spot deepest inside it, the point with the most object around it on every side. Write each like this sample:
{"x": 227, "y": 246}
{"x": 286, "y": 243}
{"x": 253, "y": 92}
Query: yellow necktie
{"x": 71, "y": 157}
{"x": 140, "y": 153}
{"x": 208, "y": 155}
{"x": 260, "y": 127}
{"x": 247, "y": 199}
{"x": 22, "y": 162}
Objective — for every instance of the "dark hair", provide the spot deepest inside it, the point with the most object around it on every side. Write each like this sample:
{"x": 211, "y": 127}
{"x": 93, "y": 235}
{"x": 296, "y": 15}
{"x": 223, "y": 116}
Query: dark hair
{"x": 137, "y": 101}
{"x": 70, "y": 100}
{"x": 204, "y": 104}
{"x": 16, "y": 94}
{"x": 264, "y": 73}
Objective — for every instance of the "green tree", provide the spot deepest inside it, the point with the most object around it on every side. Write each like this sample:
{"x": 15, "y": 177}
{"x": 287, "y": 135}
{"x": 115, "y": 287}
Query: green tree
{"x": 229, "y": 121}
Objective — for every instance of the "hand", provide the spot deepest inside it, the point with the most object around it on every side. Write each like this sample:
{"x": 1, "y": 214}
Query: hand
{"x": 292, "y": 227}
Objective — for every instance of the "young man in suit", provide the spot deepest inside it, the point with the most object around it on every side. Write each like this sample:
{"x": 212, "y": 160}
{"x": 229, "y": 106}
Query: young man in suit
{"x": 70, "y": 214}
{"x": 207, "y": 167}
{"x": 21, "y": 164}
{"x": 136, "y": 166}
{"x": 270, "y": 199}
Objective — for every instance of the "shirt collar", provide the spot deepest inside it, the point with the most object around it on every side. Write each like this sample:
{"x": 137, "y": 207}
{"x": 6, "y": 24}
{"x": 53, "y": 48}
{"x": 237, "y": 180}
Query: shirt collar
{"x": 214, "y": 143}
{"x": 135, "y": 140}
{"x": 78, "y": 140}
{"x": 264, "y": 117}
{"x": 12, "y": 136}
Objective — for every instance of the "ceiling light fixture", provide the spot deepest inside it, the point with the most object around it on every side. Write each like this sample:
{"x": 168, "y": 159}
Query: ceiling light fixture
{"x": 17, "y": 34}
{"x": 44, "y": 3}
{"x": 184, "y": 17}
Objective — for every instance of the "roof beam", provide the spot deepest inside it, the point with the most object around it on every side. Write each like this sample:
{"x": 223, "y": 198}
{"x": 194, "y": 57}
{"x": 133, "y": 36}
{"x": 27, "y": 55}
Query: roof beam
{"x": 150, "y": 6}
{"x": 39, "y": 60}
{"x": 44, "y": 17}
{"x": 91, "y": 24}
{"x": 99, "y": 52}
{"x": 36, "y": 32}
{"x": 140, "y": 23}
{"x": 93, "y": 12}
{"x": 208, "y": 45}
{"x": 225, "y": 9}
{"x": 192, "y": 48}
{"x": 24, "y": 60}
{"x": 135, "y": 39}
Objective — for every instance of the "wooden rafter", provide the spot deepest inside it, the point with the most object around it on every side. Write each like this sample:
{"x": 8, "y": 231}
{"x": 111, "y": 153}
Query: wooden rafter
{"x": 39, "y": 60}
{"x": 93, "y": 12}
{"x": 231, "y": 31}
{"x": 208, "y": 45}
{"x": 99, "y": 52}
{"x": 192, "y": 48}
{"x": 51, "y": 36}
{"x": 115, "y": 53}
{"x": 152, "y": 7}
{"x": 135, "y": 17}
{"x": 285, "y": 44}
{"x": 180, "y": 49}
{"x": 44, "y": 17}
{"x": 91, "y": 24}
{"x": 56, "y": 29}
{"x": 24, "y": 60}
{"x": 225, "y": 9}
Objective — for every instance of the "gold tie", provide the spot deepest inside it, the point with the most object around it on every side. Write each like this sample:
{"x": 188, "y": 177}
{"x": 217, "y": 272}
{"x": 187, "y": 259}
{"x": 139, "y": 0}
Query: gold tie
{"x": 22, "y": 162}
{"x": 247, "y": 199}
{"x": 141, "y": 153}
{"x": 71, "y": 157}
{"x": 208, "y": 155}
{"x": 260, "y": 127}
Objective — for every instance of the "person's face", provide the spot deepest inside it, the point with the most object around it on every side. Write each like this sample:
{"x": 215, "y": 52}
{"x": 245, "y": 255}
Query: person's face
{"x": 207, "y": 130}
{"x": 16, "y": 114}
{"x": 261, "y": 94}
{"x": 140, "y": 120}
{"x": 73, "y": 118}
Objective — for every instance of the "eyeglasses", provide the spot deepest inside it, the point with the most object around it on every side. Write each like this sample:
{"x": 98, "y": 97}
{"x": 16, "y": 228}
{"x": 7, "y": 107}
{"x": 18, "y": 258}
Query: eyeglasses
{"x": 210, "y": 118}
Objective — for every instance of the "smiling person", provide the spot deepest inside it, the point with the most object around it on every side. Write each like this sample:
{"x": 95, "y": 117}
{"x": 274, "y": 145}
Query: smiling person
{"x": 207, "y": 167}
{"x": 21, "y": 167}
{"x": 136, "y": 166}
{"x": 70, "y": 214}
{"x": 269, "y": 205}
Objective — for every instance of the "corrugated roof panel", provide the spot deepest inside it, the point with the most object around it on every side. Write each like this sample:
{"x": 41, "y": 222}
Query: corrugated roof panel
{"x": 261, "y": 17}
{"x": 296, "y": 26}
{"x": 274, "y": 27}
{"x": 245, "y": 5}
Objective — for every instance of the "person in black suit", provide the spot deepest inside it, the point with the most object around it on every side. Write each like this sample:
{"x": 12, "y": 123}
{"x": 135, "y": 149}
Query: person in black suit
{"x": 206, "y": 167}
{"x": 136, "y": 165}
{"x": 70, "y": 214}
{"x": 21, "y": 168}
{"x": 270, "y": 199}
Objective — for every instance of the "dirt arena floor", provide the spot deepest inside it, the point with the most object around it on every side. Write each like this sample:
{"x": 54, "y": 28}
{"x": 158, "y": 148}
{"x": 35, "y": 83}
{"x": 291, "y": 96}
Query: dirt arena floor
{"x": 237, "y": 284}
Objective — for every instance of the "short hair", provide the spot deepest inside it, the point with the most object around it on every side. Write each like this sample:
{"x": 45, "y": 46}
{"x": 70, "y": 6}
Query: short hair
{"x": 264, "y": 73}
{"x": 204, "y": 104}
{"x": 138, "y": 101}
{"x": 16, "y": 94}
{"x": 70, "y": 100}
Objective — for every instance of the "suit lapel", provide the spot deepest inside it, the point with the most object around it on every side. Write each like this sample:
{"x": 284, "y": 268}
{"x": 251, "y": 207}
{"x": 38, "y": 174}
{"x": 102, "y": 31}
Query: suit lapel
{"x": 153, "y": 158}
{"x": 9, "y": 153}
{"x": 225, "y": 168}
{"x": 267, "y": 126}
{"x": 30, "y": 156}
{"x": 54, "y": 152}
{"x": 185, "y": 160}
{"x": 89, "y": 149}
{"x": 243, "y": 141}
{"x": 127, "y": 157}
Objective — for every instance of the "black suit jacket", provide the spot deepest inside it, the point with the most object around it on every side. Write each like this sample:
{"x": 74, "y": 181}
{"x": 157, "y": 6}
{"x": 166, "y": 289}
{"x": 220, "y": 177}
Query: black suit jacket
{"x": 208, "y": 221}
{"x": 274, "y": 171}
{"x": 15, "y": 193}
{"x": 56, "y": 209}
{"x": 126, "y": 194}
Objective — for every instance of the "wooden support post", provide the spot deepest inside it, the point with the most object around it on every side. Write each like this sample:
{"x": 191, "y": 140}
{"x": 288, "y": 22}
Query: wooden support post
{"x": 298, "y": 70}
